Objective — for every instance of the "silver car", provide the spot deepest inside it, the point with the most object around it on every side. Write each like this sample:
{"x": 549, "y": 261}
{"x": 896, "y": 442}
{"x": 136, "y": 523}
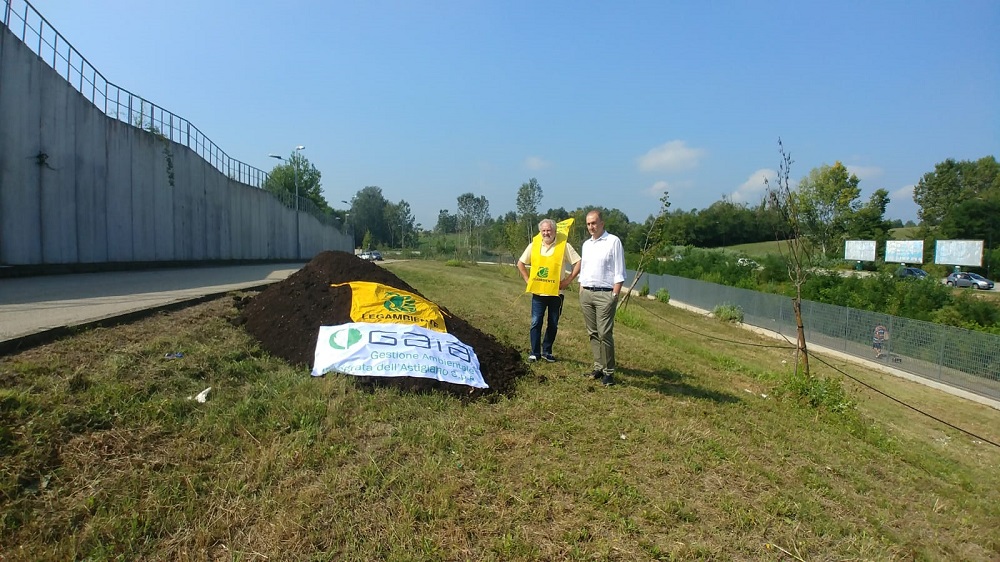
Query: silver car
{"x": 966, "y": 279}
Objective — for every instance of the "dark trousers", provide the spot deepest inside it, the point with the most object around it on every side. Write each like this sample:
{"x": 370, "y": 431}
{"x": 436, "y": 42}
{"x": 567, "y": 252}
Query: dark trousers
{"x": 539, "y": 304}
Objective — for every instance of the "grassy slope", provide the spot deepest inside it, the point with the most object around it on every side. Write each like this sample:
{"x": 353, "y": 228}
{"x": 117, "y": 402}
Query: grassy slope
{"x": 685, "y": 459}
{"x": 772, "y": 247}
{"x": 757, "y": 248}
{"x": 904, "y": 233}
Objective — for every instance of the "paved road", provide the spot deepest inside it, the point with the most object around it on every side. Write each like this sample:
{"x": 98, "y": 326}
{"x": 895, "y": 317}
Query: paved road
{"x": 33, "y": 306}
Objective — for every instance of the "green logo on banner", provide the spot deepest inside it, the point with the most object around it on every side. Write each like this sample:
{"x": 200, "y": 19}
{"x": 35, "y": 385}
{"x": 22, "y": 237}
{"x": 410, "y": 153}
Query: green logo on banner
{"x": 342, "y": 339}
{"x": 400, "y": 303}
{"x": 543, "y": 272}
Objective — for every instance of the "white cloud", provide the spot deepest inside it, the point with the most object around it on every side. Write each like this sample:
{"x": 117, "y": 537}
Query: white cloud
{"x": 536, "y": 163}
{"x": 752, "y": 189}
{"x": 901, "y": 205}
{"x": 657, "y": 189}
{"x": 670, "y": 157}
{"x": 905, "y": 192}
{"x": 864, "y": 172}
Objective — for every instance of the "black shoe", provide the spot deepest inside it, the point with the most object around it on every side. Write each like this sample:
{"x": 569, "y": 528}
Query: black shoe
{"x": 549, "y": 357}
{"x": 595, "y": 374}
{"x": 606, "y": 380}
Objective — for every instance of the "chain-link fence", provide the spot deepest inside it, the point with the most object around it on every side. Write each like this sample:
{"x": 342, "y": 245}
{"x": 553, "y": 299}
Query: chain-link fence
{"x": 953, "y": 356}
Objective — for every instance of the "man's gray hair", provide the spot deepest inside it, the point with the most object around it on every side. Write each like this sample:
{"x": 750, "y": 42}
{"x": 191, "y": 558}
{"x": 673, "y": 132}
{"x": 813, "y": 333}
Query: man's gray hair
{"x": 550, "y": 221}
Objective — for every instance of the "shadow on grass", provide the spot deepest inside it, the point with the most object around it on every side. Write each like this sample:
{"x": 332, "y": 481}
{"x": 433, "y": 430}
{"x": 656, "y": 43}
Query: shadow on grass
{"x": 668, "y": 381}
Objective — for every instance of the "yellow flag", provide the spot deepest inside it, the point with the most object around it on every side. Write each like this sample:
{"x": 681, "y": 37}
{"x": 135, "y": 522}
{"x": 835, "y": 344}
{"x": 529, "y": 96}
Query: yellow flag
{"x": 546, "y": 271}
{"x": 378, "y": 303}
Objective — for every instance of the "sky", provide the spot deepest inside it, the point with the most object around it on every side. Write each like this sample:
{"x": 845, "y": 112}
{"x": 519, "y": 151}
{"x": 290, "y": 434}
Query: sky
{"x": 604, "y": 103}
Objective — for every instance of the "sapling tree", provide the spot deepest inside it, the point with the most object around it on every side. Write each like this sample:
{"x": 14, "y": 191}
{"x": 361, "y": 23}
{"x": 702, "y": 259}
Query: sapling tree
{"x": 795, "y": 253}
{"x": 651, "y": 246}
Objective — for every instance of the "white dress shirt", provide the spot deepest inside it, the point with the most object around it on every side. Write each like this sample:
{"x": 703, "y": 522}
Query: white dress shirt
{"x": 603, "y": 263}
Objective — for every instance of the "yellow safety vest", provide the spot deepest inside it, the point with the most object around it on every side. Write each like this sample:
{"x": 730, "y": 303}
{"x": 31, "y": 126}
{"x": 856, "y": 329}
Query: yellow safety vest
{"x": 546, "y": 271}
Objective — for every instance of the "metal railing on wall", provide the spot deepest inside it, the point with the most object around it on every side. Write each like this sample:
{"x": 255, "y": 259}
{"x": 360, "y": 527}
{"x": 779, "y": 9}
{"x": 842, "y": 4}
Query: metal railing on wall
{"x": 21, "y": 18}
{"x": 957, "y": 357}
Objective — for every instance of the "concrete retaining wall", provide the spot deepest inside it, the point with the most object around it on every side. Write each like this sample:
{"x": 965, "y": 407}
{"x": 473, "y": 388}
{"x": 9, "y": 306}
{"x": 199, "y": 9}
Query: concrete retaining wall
{"x": 77, "y": 186}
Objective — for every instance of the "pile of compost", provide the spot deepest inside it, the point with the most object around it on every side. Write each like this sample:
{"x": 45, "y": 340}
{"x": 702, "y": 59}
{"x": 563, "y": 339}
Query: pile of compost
{"x": 286, "y": 317}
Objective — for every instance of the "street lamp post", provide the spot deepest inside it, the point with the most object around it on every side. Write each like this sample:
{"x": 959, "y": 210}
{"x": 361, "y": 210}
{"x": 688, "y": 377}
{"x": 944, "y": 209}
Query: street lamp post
{"x": 295, "y": 174}
{"x": 346, "y": 214}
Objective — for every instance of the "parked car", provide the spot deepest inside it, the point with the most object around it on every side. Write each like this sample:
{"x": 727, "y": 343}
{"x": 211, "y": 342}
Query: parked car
{"x": 966, "y": 279}
{"x": 912, "y": 273}
{"x": 371, "y": 255}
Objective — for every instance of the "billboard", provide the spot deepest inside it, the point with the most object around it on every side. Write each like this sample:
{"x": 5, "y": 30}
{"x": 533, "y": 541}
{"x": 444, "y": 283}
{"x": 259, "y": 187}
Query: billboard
{"x": 904, "y": 251}
{"x": 859, "y": 250}
{"x": 959, "y": 252}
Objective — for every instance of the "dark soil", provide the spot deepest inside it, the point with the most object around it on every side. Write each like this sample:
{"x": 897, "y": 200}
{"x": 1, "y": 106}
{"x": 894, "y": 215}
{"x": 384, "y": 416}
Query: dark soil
{"x": 286, "y": 317}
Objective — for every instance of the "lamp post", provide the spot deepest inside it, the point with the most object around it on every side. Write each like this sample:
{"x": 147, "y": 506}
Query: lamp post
{"x": 346, "y": 214}
{"x": 295, "y": 174}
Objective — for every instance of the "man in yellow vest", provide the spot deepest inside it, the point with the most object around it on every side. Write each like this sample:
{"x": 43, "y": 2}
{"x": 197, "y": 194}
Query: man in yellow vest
{"x": 548, "y": 255}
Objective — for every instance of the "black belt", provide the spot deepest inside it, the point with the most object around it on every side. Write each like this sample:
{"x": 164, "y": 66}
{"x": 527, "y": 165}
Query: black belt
{"x": 602, "y": 289}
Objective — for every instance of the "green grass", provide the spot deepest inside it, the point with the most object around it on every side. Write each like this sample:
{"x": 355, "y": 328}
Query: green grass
{"x": 757, "y": 249}
{"x": 706, "y": 450}
{"x": 905, "y": 233}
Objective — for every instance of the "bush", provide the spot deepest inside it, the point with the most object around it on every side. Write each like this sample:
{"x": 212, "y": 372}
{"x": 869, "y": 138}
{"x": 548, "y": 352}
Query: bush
{"x": 455, "y": 263}
{"x": 663, "y": 296}
{"x": 728, "y": 313}
{"x": 819, "y": 392}
{"x": 967, "y": 311}
{"x": 629, "y": 317}
{"x": 644, "y": 290}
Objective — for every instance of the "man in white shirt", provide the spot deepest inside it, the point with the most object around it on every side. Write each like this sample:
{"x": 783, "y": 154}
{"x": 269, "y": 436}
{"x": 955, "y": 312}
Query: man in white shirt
{"x": 550, "y": 298}
{"x": 602, "y": 273}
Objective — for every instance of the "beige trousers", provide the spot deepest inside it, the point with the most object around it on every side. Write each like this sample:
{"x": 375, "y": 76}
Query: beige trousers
{"x": 599, "y": 317}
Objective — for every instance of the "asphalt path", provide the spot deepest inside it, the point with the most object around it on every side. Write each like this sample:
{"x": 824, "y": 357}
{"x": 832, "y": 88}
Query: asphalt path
{"x": 33, "y": 307}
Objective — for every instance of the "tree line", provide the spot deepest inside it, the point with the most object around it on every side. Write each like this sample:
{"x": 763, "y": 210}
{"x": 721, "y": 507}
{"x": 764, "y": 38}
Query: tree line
{"x": 957, "y": 200}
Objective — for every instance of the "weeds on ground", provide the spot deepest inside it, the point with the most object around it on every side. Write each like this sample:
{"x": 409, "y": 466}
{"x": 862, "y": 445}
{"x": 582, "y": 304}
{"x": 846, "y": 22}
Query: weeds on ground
{"x": 728, "y": 313}
{"x": 663, "y": 296}
{"x": 703, "y": 450}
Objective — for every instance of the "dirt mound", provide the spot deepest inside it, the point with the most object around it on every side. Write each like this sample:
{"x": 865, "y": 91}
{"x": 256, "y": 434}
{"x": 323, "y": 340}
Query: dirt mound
{"x": 286, "y": 317}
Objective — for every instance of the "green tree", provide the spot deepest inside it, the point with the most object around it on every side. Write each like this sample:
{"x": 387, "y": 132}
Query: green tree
{"x": 557, "y": 215}
{"x": 952, "y": 183}
{"x": 514, "y": 241}
{"x": 973, "y": 219}
{"x": 368, "y": 216}
{"x": 826, "y": 201}
{"x": 447, "y": 223}
{"x": 282, "y": 178}
{"x": 679, "y": 227}
{"x": 399, "y": 221}
{"x": 615, "y": 221}
{"x": 472, "y": 214}
{"x": 529, "y": 195}
{"x": 869, "y": 221}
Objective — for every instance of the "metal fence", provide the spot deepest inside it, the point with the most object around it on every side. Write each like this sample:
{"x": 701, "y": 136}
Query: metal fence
{"x": 118, "y": 103}
{"x": 960, "y": 358}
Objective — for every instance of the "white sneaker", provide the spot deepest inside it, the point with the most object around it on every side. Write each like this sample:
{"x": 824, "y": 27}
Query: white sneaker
{"x": 532, "y": 358}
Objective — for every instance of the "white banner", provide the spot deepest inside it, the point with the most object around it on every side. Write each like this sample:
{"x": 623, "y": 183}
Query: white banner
{"x": 395, "y": 350}
{"x": 904, "y": 251}
{"x": 859, "y": 250}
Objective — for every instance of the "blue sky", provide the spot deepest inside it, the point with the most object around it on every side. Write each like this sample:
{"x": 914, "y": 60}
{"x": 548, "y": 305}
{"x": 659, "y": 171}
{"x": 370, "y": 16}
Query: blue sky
{"x": 605, "y": 103}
